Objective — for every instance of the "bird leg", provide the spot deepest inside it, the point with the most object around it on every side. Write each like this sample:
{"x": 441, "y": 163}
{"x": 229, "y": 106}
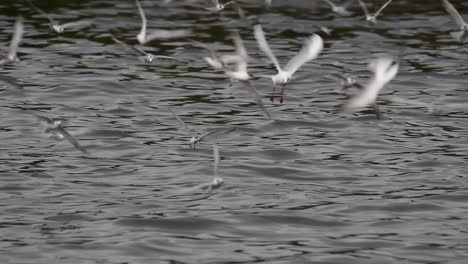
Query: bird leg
{"x": 273, "y": 94}
{"x": 282, "y": 93}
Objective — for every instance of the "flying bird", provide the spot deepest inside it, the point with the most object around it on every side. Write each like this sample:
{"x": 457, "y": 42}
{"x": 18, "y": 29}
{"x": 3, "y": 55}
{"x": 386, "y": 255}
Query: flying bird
{"x": 148, "y": 57}
{"x": 373, "y": 18}
{"x": 385, "y": 69}
{"x": 309, "y": 51}
{"x": 217, "y": 6}
{"x": 196, "y": 137}
{"x": 60, "y": 28}
{"x": 54, "y": 127}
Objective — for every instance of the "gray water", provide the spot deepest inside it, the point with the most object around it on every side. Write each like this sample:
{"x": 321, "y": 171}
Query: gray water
{"x": 316, "y": 185}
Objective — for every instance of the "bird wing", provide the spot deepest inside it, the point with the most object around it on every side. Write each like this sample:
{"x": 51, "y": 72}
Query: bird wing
{"x": 17, "y": 36}
{"x": 364, "y": 8}
{"x": 182, "y": 123}
{"x": 79, "y": 23}
{"x": 382, "y": 8}
{"x": 253, "y": 92}
{"x": 240, "y": 48}
{"x": 216, "y": 159}
{"x": 167, "y": 34}
{"x": 263, "y": 44}
{"x": 143, "y": 20}
{"x": 216, "y": 133}
{"x": 135, "y": 50}
{"x": 51, "y": 20}
{"x": 70, "y": 139}
{"x": 367, "y": 96}
{"x": 330, "y": 3}
{"x": 309, "y": 51}
{"x": 454, "y": 13}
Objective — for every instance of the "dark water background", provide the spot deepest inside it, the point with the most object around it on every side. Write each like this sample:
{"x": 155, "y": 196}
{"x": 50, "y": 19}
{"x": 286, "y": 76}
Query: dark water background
{"x": 315, "y": 186}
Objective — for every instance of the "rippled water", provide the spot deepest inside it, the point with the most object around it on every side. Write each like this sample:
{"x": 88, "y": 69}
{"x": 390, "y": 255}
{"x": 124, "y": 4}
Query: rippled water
{"x": 316, "y": 185}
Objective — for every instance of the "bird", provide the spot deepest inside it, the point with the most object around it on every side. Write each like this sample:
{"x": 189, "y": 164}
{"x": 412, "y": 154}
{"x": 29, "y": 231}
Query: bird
{"x": 54, "y": 126}
{"x": 11, "y": 57}
{"x": 461, "y": 35}
{"x": 385, "y": 69}
{"x": 347, "y": 81}
{"x": 340, "y": 10}
{"x": 60, "y": 28}
{"x": 144, "y": 38}
{"x": 235, "y": 68}
{"x": 197, "y": 138}
{"x": 148, "y": 57}
{"x": 217, "y": 6}
{"x": 373, "y": 18}
{"x": 309, "y": 51}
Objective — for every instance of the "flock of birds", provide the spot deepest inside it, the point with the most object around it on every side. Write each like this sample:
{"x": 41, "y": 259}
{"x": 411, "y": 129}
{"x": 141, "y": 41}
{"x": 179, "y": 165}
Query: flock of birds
{"x": 235, "y": 66}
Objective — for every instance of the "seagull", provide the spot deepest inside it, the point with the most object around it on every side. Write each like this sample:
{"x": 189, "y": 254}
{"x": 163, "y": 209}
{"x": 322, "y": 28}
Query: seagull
{"x": 54, "y": 126}
{"x": 218, "y": 7}
{"x": 199, "y": 138}
{"x": 347, "y": 81}
{"x": 385, "y": 69}
{"x": 340, "y": 10}
{"x": 238, "y": 71}
{"x": 217, "y": 181}
{"x": 310, "y": 50}
{"x": 373, "y": 18}
{"x": 17, "y": 37}
{"x": 59, "y": 28}
{"x": 148, "y": 57}
{"x": 460, "y": 35}
{"x": 144, "y": 38}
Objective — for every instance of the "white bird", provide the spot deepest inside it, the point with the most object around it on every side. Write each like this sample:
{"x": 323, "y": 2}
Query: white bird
{"x": 238, "y": 71}
{"x": 385, "y": 70}
{"x": 217, "y": 6}
{"x": 148, "y": 57}
{"x": 14, "y": 44}
{"x": 197, "y": 138}
{"x": 144, "y": 38}
{"x": 54, "y": 126}
{"x": 59, "y": 28}
{"x": 373, "y": 18}
{"x": 268, "y": 3}
{"x": 460, "y": 35}
{"x": 340, "y": 10}
{"x": 309, "y": 51}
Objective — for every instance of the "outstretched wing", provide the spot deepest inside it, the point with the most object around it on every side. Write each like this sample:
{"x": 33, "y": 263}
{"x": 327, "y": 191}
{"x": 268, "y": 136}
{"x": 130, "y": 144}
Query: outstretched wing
{"x": 216, "y": 133}
{"x": 17, "y": 36}
{"x": 382, "y": 8}
{"x": 135, "y": 50}
{"x": 263, "y": 44}
{"x": 141, "y": 37}
{"x": 167, "y": 34}
{"x": 311, "y": 49}
{"x": 364, "y": 8}
{"x": 78, "y": 24}
{"x": 454, "y": 13}
{"x": 51, "y": 20}
{"x": 70, "y": 139}
{"x": 253, "y": 92}
{"x": 182, "y": 123}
